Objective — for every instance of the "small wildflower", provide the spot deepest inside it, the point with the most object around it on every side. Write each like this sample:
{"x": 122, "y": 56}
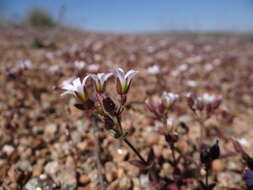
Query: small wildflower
{"x": 155, "y": 106}
{"x": 76, "y": 88}
{"x": 170, "y": 98}
{"x": 206, "y": 98}
{"x": 153, "y": 70}
{"x": 100, "y": 80}
{"x": 53, "y": 68}
{"x": 123, "y": 80}
{"x": 24, "y": 64}
{"x": 170, "y": 122}
{"x": 79, "y": 64}
{"x": 243, "y": 142}
{"x": 93, "y": 67}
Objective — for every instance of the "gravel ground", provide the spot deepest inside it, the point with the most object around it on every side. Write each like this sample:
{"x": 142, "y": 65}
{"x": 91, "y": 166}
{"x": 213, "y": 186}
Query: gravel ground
{"x": 46, "y": 143}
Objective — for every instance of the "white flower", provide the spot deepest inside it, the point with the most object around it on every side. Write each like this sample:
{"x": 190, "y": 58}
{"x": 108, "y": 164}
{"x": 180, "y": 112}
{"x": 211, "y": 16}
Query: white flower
{"x": 53, "y": 68}
{"x": 24, "y": 64}
{"x": 123, "y": 80}
{"x": 100, "y": 80}
{"x": 170, "y": 122}
{"x": 207, "y": 98}
{"x": 79, "y": 64}
{"x": 93, "y": 67}
{"x": 153, "y": 70}
{"x": 191, "y": 83}
{"x": 76, "y": 87}
{"x": 170, "y": 98}
{"x": 243, "y": 142}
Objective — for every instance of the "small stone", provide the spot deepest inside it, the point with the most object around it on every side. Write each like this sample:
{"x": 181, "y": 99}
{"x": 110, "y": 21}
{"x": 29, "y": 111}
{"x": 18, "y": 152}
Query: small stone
{"x": 67, "y": 175}
{"x": 43, "y": 182}
{"x": 8, "y": 149}
{"x": 37, "y": 170}
{"x": 125, "y": 183}
{"x": 84, "y": 179}
{"x": 218, "y": 165}
{"x": 24, "y": 165}
{"x": 52, "y": 167}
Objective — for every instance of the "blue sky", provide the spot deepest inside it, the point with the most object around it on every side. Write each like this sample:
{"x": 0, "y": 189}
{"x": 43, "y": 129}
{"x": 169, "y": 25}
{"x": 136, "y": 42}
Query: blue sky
{"x": 145, "y": 15}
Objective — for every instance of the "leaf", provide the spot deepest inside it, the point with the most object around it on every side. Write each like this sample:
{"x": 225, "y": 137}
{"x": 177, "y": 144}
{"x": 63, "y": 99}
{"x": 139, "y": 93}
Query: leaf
{"x": 89, "y": 104}
{"x": 211, "y": 186}
{"x": 185, "y": 127}
{"x": 215, "y": 151}
{"x": 138, "y": 163}
{"x": 202, "y": 184}
{"x": 150, "y": 156}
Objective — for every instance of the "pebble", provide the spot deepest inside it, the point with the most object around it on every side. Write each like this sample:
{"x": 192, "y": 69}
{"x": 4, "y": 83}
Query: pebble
{"x": 42, "y": 182}
{"x": 218, "y": 165}
{"x": 52, "y": 167}
{"x": 8, "y": 149}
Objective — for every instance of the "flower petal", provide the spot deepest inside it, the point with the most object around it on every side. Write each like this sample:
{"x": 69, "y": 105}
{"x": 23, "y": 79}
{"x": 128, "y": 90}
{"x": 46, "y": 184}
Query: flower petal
{"x": 84, "y": 80}
{"x": 95, "y": 78}
{"x": 129, "y": 75}
{"x": 120, "y": 74}
{"x": 77, "y": 82}
{"x": 105, "y": 77}
{"x": 68, "y": 87}
{"x": 68, "y": 92}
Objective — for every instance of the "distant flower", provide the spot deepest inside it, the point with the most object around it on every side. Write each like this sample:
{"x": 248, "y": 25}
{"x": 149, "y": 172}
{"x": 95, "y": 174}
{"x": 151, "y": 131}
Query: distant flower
{"x": 170, "y": 122}
{"x": 207, "y": 98}
{"x": 93, "y": 67}
{"x": 53, "y": 68}
{"x": 208, "y": 67}
{"x": 79, "y": 64}
{"x": 191, "y": 83}
{"x": 24, "y": 64}
{"x": 155, "y": 106}
{"x": 243, "y": 142}
{"x": 194, "y": 59}
{"x": 77, "y": 88}
{"x": 100, "y": 80}
{"x": 123, "y": 80}
{"x": 183, "y": 67}
{"x": 170, "y": 98}
{"x": 153, "y": 70}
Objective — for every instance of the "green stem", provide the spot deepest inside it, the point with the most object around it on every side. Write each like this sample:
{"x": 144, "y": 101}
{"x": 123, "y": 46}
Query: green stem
{"x": 134, "y": 150}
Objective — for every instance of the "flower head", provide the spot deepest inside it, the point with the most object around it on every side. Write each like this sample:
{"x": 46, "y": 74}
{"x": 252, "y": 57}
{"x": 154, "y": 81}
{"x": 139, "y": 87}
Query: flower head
{"x": 79, "y": 64}
{"x": 100, "y": 80}
{"x": 123, "y": 80}
{"x": 153, "y": 70}
{"x": 207, "y": 98}
{"x": 170, "y": 98}
{"x": 76, "y": 87}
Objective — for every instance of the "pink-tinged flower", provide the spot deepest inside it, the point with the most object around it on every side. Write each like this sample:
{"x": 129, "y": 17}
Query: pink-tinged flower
{"x": 100, "y": 80}
{"x": 79, "y": 64}
{"x": 155, "y": 106}
{"x": 123, "y": 81}
{"x": 77, "y": 88}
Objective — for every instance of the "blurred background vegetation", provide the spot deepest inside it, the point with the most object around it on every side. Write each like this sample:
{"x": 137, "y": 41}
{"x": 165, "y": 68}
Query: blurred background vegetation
{"x": 39, "y": 17}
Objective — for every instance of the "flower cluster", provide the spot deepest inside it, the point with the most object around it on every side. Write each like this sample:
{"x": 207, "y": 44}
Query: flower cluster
{"x": 205, "y": 104}
{"x": 102, "y": 105}
{"x": 78, "y": 88}
{"x": 160, "y": 106}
